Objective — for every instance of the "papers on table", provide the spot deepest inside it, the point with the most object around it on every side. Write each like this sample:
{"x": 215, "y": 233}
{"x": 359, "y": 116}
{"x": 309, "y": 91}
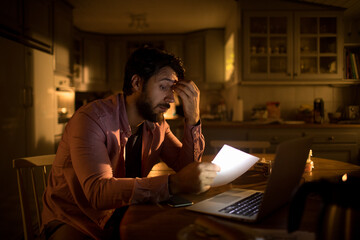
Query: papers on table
{"x": 233, "y": 163}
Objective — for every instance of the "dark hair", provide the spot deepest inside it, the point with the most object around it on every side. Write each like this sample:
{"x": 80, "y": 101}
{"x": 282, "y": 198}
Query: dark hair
{"x": 146, "y": 62}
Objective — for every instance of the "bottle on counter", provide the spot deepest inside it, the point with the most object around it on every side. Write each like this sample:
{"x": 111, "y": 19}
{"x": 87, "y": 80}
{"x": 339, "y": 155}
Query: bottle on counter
{"x": 319, "y": 111}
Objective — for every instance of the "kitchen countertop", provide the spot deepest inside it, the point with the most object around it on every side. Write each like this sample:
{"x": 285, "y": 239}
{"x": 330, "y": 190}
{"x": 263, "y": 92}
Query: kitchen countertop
{"x": 276, "y": 125}
{"x": 250, "y": 124}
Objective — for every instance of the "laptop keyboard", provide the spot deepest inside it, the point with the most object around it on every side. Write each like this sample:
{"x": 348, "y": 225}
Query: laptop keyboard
{"x": 246, "y": 207}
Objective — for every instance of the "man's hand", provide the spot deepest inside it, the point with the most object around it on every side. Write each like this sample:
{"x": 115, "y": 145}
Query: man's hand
{"x": 196, "y": 177}
{"x": 190, "y": 96}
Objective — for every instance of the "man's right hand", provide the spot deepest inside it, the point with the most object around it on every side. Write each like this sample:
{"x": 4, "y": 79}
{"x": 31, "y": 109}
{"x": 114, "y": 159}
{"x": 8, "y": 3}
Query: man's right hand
{"x": 196, "y": 177}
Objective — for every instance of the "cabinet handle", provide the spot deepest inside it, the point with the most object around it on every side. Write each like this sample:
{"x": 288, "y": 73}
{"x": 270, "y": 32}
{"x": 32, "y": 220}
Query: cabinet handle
{"x": 332, "y": 138}
{"x": 28, "y": 97}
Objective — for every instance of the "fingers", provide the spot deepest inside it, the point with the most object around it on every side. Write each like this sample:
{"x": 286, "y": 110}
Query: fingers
{"x": 187, "y": 89}
{"x": 194, "y": 178}
{"x": 190, "y": 96}
{"x": 208, "y": 166}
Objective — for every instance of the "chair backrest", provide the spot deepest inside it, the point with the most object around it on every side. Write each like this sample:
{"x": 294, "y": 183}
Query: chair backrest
{"x": 32, "y": 171}
{"x": 248, "y": 146}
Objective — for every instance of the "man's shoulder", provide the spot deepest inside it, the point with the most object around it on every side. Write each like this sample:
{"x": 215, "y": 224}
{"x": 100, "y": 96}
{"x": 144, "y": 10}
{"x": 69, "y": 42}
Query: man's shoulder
{"x": 103, "y": 107}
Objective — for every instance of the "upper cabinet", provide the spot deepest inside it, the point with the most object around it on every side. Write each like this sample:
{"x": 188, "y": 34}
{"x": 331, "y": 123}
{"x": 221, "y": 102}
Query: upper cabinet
{"x": 268, "y": 49}
{"x": 319, "y": 40}
{"x": 204, "y": 57}
{"x": 92, "y": 63}
{"x": 63, "y": 38}
{"x": 29, "y": 22}
{"x": 292, "y": 46}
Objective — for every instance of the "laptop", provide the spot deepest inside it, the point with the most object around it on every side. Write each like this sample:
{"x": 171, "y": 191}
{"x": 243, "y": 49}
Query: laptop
{"x": 252, "y": 205}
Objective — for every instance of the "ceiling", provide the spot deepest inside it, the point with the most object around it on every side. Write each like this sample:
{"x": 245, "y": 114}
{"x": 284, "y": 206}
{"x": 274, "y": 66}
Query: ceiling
{"x": 166, "y": 16}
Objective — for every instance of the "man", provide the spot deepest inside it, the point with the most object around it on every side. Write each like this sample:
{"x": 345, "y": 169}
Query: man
{"x": 109, "y": 147}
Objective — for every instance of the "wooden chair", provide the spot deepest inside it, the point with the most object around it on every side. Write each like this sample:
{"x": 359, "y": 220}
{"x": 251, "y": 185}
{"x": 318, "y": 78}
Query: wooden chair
{"x": 248, "y": 146}
{"x": 32, "y": 179}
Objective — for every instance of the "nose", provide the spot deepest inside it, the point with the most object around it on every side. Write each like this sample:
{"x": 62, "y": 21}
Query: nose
{"x": 169, "y": 98}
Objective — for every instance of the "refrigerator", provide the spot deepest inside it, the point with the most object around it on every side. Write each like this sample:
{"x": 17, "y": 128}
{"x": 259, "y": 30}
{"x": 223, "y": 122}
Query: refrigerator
{"x": 27, "y": 120}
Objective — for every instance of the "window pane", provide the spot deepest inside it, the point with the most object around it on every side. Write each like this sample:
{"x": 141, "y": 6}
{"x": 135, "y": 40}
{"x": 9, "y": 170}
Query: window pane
{"x": 258, "y": 25}
{"x": 308, "y": 25}
{"x": 308, "y": 65}
{"x": 328, "y": 25}
{"x": 278, "y": 25}
{"x": 328, "y": 45}
{"x": 278, "y": 65}
{"x": 258, "y": 45}
{"x": 258, "y": 65}
{"x": 308, "y": 45}
{"x": 278, "y": 45}
{"x": 328, "y": 65}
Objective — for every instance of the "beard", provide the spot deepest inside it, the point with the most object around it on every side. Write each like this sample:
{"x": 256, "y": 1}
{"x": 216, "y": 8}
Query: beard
{"x": 146, "y": 110}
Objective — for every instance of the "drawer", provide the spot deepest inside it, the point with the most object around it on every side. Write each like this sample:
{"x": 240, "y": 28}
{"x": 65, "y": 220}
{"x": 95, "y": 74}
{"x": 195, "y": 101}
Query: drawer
{"x": 333, "y": 137}
{"x": 274, "y": 137}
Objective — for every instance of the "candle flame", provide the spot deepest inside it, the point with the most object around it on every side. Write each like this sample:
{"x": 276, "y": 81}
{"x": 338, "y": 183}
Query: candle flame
{"x": 344, "y": 177}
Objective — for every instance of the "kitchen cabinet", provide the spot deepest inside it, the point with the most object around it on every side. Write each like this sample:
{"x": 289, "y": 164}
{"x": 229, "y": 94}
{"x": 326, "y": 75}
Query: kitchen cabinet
{"x": 194, "y": 57}
{"x": 204, "y": 57}
{"x": 274, "y": 137}
{"x": 334, "y": 144}
{"x": 292, "y": 46}
{"x": 63, "y": 38}
{"x": 93, "y": 68}
{"x": 332, "y": 141}
{"x": 117, "y": 60}
{"x": 11, "y": 17}
{"x": 38, "y": 23}
{"x": 29, "y": 22}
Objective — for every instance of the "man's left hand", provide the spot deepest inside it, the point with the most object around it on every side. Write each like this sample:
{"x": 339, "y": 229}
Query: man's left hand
{"x": 190, "y": 96}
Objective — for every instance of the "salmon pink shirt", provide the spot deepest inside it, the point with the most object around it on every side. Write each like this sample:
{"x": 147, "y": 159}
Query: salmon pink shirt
{"x": 87, "y": 180}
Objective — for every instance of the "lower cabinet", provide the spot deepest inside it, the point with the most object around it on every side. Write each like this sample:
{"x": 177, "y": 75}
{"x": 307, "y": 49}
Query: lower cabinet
{"x": 335, "y": 143}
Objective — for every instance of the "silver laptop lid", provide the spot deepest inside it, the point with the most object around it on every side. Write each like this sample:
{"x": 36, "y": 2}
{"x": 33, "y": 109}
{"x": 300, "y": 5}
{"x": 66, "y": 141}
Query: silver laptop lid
{"x": 286, "y": 174}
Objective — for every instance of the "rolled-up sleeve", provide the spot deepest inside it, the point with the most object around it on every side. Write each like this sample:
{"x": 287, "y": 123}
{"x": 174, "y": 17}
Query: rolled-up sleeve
{"x": 176, "y": 154}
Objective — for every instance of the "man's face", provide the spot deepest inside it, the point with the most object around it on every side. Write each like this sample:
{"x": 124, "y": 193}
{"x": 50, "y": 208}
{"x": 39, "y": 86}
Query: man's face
{"x": 157, "y": 95}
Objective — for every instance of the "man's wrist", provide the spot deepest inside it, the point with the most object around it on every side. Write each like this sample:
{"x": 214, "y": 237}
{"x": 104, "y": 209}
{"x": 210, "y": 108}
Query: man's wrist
{"x": 193, "y": 122}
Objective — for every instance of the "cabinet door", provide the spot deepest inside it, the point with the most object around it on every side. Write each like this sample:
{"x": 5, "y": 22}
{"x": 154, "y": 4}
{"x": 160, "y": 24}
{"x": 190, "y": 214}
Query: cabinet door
{"x": 194, "y": 57}
{"x": 38, "y": 24}
{"x": 318, "y": 42}
{"x": 116, "y": 64}
{"x": 274, "y": 136}
{"x": 94, "y": 66}
{"x": 11, "y": 17}
{"x": 62, "y": 38}
{"x": 335, "y": 144}
{"x": 268, "y": 45}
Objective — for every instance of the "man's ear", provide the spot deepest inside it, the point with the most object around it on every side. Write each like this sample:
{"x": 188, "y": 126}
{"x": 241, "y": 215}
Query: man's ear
{"x": 136, "y": 83}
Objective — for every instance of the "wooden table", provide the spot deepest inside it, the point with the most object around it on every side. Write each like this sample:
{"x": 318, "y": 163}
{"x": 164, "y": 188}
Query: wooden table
{"x": 151, "y": 221}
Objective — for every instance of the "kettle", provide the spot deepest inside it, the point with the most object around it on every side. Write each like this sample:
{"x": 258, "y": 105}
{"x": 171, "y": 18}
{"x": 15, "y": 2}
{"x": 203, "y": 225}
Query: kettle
{"x": 339, "y": 217}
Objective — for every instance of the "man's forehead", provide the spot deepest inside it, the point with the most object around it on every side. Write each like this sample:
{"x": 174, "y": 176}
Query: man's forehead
{"x": 167, "y": 74}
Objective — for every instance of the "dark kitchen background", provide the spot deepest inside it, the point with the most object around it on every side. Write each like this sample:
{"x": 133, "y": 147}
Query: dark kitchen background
{"x": 260, "y": 65}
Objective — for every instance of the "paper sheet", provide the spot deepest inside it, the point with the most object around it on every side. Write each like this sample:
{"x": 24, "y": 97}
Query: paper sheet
{"x": 233, "y": 163}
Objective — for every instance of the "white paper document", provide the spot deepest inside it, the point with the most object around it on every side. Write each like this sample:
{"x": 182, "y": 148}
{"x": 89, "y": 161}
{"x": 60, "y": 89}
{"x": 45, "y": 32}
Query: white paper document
{"x": 233, "y": 163}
